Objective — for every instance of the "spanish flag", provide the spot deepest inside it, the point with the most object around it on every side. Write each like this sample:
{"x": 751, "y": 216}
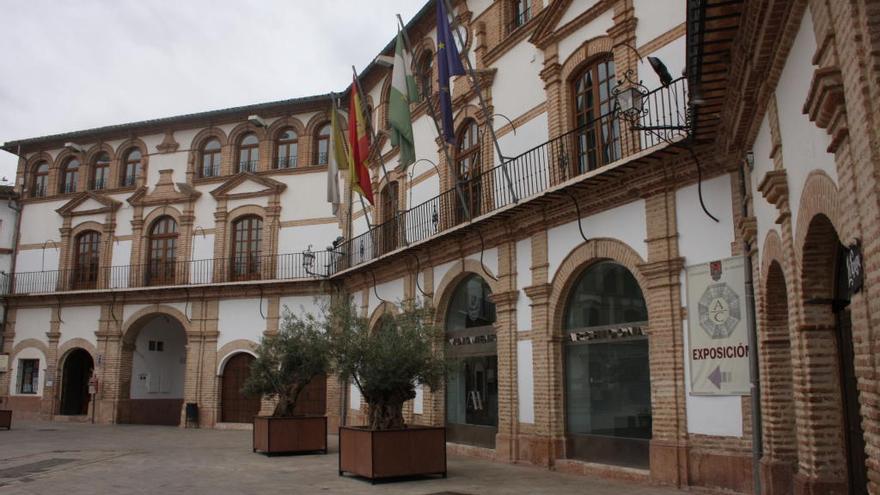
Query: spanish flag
{"x": 359, "y": 144}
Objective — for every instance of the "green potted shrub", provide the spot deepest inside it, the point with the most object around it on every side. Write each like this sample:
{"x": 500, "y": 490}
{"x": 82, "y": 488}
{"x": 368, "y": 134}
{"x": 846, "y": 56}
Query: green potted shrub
{"x": 385, "y": 364}
{"x": 286, "y": 363}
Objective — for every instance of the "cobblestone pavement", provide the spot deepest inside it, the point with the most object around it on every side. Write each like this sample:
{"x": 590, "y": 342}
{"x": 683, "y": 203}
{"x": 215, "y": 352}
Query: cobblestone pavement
{"x": 70, "y": 459}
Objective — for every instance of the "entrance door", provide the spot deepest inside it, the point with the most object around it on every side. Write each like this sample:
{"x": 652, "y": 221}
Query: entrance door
{"x": 235, "y": 406}
{"x": 855, "y": 436}
{"x": 75, "y": 383}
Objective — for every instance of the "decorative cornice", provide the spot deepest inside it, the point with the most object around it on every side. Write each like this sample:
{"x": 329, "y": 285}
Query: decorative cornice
{"x": 539, "y": 294}
{"x": 165, "y": 192}
{"x": 505, "y": 299}
{"x": 748, "y": 229}
{"x": 107, "y": 205}
{"x": 826, "y": 104}
{"x": 272, "y": 186}
{"x": 168, "y": 144}
{"x": 774, "y": 188}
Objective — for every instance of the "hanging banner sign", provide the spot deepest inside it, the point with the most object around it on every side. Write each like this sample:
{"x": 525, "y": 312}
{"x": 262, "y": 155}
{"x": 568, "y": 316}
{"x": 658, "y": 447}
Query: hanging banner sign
{"x": 718, "y": 343}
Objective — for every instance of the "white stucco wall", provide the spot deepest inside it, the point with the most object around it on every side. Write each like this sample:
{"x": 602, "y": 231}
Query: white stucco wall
{"x": 518, "y": 87}
{"x": 130, "y": 309}
{"x": 40, "y": 223}
{"x": 302, "y": 305}
{"x": 79, "y": 322}
{"x": 656, "y": 17}
{"x": 525, "y": 381}
{"x": 155, "y": 374}
{"x": 625, "y": 223}
{"x": 32, "y": 323}
{"x": 391, "y": 291}
{"x": 241, "y": 319}
{"x": 803, "y": 144}
{"x": 597, "y": 27}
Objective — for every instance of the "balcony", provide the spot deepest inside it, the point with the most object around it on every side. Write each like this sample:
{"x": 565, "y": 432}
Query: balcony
{"x": 282, "y": 267}
{"x": 282, "y": 162}
{"x": 248, "y": 165}
{"x": 611, "y": 144}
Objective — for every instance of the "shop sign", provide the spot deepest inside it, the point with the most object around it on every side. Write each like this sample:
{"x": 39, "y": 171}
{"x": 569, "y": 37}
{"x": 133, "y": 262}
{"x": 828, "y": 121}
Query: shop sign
{"x": 718, "y": 344}
{"x": 854, "y": 268}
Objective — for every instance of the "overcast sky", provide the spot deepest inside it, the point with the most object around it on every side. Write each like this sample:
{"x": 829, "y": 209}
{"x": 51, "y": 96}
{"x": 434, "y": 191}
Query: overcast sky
{"x": 69, "y": 66}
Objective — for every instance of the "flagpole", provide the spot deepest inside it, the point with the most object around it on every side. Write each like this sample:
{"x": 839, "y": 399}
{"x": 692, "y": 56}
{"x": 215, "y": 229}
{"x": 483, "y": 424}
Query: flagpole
{"x": 369, "y": 121}
{"x": 433, "y": 114}
{"x": 477, "y": 87}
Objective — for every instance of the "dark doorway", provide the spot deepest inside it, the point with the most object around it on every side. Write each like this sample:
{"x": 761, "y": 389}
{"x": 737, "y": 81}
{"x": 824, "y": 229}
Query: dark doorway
{"x": 75, "y": 383}
{"x": 855, "y": 436}
{"x": 235, "y": 406}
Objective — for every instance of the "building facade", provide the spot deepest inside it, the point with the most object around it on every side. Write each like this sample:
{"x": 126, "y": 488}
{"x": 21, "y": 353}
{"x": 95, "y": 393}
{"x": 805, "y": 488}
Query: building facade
{"x": 151, "y": 257}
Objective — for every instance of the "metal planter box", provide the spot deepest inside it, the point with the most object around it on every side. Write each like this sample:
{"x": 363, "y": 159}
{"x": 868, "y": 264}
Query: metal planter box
{"x": 6, "y": 419}
{"x": 413, "y": 451}
{"x": 290, "y": 435}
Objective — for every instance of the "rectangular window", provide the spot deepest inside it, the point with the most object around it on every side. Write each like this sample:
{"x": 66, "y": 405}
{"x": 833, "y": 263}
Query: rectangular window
{"x": 28, "y": 376}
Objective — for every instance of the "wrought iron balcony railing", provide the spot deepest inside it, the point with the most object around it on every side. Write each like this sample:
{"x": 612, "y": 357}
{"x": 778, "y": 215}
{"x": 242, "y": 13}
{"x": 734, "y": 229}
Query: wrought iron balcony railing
{"x": 285, "y": 162}
{"x": 292, "y": 266}
{"x": 248, "y": 165}
{"x": 652, "y": 118}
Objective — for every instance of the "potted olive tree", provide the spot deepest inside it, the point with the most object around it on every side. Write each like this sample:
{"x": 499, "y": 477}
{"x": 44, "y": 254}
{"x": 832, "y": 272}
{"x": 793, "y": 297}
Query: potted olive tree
{"x": 286, "y": 363}
{"x": 385, "y": 364}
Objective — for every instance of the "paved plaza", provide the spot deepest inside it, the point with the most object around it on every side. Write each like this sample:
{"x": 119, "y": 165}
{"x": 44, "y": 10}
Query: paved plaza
{"x": 70, "y": 459}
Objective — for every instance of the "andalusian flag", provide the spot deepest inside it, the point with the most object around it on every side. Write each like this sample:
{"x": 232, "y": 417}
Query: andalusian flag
{"x": 359, "y": 146}
{"x": 337, "y": 156}
{"x": 403, "y": 92}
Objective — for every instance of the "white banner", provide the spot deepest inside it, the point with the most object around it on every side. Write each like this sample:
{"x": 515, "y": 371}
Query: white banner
{"x": 718, "y": 344}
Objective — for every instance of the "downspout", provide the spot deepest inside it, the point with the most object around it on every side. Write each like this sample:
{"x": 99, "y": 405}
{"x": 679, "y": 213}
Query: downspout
{"x": 754, "y": 381}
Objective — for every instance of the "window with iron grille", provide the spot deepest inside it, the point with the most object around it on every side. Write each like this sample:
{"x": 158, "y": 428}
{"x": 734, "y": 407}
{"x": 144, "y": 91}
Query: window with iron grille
{"x": 40, "y": 180}
{"x": 131, "y": 168}
{"x": 286, "y": 149}
{"x": 322, "y": 147}
{"x": 211, "y": 156}
{"x": 100, "y": 172}
{"x": 248, "y": 153}
{"x": 69, "y": 176}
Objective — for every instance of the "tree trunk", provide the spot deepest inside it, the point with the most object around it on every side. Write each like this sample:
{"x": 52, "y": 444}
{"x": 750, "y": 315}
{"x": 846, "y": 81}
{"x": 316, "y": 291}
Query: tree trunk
{"x": 386, "y": 413}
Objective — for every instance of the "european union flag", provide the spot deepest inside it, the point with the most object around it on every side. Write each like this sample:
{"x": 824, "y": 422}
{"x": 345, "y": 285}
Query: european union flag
{"x": 449, "y": 65}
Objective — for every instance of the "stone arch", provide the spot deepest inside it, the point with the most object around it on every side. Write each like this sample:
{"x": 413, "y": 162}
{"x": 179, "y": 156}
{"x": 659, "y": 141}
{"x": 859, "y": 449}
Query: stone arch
{"x": 584, "y": 256}
{"x": 97, "y": 148}
{"x": 136, "y": 321}
{"x": 468, "y": 112}
{"x": 381, "y": 310}
{"x": 819, "y": 196}
{"x": 62, "y": 159}
{"x": 193, "y": 162}
{"x": 160, "y": 409}
{"x": 310, "y": 138}
{"x": 76, "y": 343}
{"x": 245, "y": 127}
{"x": 151, "y": 218}
{"x": 30, "y": 169}
{"x": 122, "y": 151}
{"x": 64, "y": 353}
{"x": 772, "y": 252}
{"x": 29, "y": 343}
{"x": 458, "y": 272}
{"x": 232, "y": 348}
{"x": 206, "y": 134}
{"x": 382, "y": 110}
{"x": 584, "y": 55}
{"x": 274, "y": 131}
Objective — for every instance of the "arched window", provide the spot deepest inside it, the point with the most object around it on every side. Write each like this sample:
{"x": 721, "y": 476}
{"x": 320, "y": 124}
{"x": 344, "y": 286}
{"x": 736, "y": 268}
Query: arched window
{"x": 247, "y": 237}
{"x": 248, "y": 153}
{"x": 467, "y": 159}
{"x": 85, "y": 260}
{"x": 607, "y": 375}
{"x": 426, "y": 75}
{"x": 286, "y": 149}
{"x": 322, "y": 145}
{"x": 210, "y": 158}
{"x": 598, "y": 136}
{"x": 40, "y": 180}
{"x": 69, "y": 176}
{"x": 131, "y": 167}
{"x": 472, "y": 383}
{"x": 100, "y": 172}
{"x": 390, "y": 211}
{"x": 162, "y": 252}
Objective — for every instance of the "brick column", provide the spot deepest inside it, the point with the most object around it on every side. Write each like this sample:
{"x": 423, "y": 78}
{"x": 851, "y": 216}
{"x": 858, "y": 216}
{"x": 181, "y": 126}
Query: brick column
{"x": 50, "y": 392}
{"x": 7, "y": 378}
{"x": 114, "y": 383}
{"x": 668, "y": 458}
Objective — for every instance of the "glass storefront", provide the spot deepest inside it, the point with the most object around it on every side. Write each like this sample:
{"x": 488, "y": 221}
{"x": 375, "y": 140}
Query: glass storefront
{"x": 607, "y": 377}
{"x": 472, "y": 383}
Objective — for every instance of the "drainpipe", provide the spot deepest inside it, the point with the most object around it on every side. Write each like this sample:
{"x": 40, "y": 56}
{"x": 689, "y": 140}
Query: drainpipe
{"x": 755, "y": 382}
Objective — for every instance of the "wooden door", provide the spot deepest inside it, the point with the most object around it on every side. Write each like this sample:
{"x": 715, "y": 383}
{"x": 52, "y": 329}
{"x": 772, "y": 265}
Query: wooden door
{"x": 235, "y": 407}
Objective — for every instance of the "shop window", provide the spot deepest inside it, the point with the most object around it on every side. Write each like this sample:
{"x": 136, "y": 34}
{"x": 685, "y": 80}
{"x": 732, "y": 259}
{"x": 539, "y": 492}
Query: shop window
{"x": 607, "y": 377}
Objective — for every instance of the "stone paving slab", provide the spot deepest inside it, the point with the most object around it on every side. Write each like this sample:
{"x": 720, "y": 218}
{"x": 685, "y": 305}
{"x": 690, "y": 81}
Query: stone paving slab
{"x": 73, "y": 459}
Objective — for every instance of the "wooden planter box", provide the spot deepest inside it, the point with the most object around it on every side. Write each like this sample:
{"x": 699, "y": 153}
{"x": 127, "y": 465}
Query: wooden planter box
{"x": 414, "y": 451}
{"x": 290, "y": 435}
{"x": 5, "y": 419}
